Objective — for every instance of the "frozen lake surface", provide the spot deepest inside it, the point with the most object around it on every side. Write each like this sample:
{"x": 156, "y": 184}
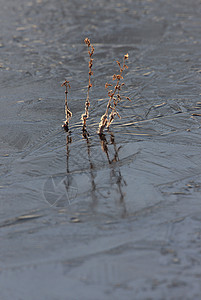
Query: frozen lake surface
{"x": 95, "y": 219}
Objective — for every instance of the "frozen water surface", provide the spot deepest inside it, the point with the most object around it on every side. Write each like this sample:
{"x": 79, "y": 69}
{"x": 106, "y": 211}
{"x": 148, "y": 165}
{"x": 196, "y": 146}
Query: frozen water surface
{"x": 117, "y": 218}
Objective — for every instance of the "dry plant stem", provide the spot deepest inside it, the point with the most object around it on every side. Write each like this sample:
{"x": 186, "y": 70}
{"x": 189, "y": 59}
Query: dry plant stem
{"x": 113, "y": 98}
{"x": 87, "y": 103}
{"x": 68, "y": 113}
{"x": 117, "y": 88}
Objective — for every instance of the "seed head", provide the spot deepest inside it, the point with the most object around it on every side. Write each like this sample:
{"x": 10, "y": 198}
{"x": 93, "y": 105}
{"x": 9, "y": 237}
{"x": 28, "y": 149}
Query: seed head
{"x": 87, "y": 42}
{"x": 126, "y": 56}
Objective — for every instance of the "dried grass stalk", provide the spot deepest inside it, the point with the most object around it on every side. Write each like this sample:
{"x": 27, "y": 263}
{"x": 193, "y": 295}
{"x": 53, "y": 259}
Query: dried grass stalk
{"x": 85, "y": 116}
{"x": 68, "y": 113}
{"x": 114, "y": 98}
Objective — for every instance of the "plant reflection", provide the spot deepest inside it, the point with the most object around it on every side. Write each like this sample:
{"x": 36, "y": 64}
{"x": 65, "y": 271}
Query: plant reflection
{"x": 116, "y": 181}
{"x": 68, "y": 182}
{"x": 116, "y": 178}
{"x": 92, "y": 173}
{"x": 68, "y": 141}
{"x": 115, "y": 170}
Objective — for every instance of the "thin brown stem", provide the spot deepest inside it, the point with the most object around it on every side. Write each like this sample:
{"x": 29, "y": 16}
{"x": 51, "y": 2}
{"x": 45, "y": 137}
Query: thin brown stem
{"x": 85, "y": 116}
{"x": 68, "y": 113}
